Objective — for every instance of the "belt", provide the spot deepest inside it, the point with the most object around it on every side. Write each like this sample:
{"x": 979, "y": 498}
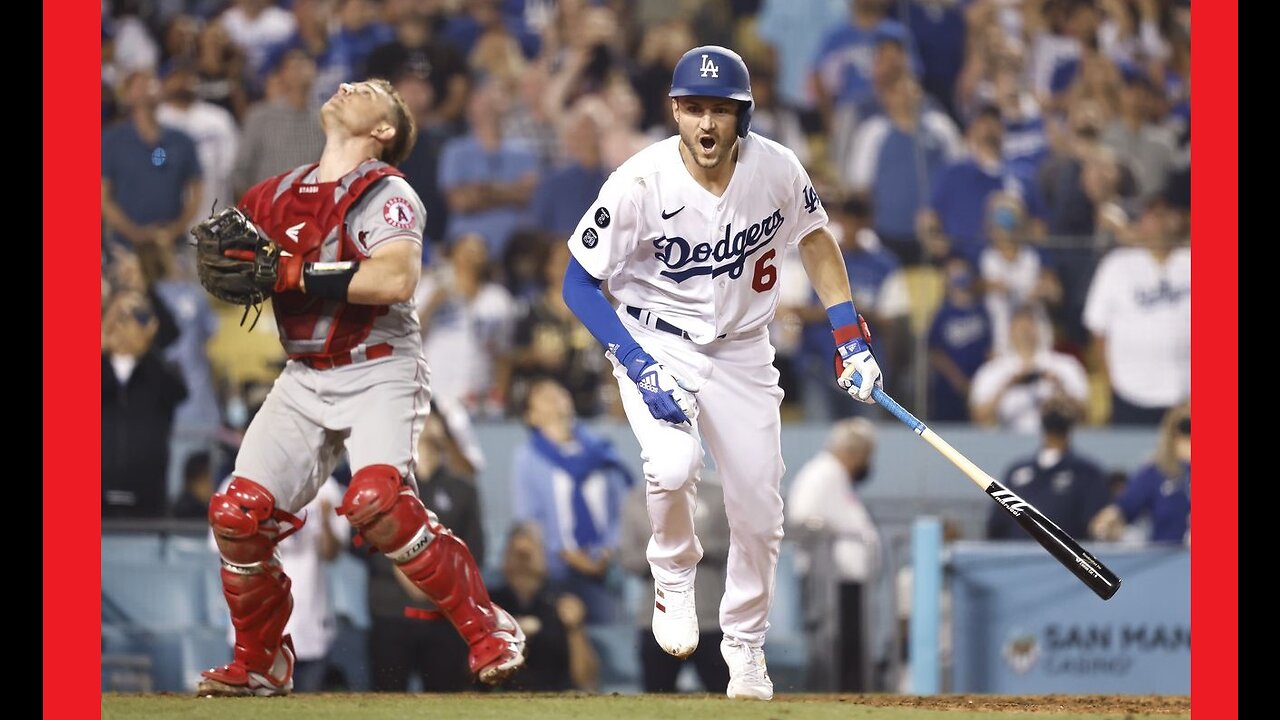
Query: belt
{"x": 648, "y": 318}
{"x": 360, "y": 354}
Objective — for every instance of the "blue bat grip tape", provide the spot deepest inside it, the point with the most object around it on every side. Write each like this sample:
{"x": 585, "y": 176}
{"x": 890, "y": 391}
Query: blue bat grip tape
{"x": 883, "y": 400}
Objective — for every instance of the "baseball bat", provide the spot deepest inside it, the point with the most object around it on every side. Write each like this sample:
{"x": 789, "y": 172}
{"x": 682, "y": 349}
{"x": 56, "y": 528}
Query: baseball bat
{"x": 1061, "y": 545}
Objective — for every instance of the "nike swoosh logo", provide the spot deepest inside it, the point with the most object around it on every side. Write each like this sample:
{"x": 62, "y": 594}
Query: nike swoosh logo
{"x": 668, "y": 215}
{"x": 293, "y": 231}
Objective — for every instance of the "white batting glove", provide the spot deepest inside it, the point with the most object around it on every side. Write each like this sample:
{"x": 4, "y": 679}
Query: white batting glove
{"x": 853, "y": 354}
{"x": 863, "y": 363}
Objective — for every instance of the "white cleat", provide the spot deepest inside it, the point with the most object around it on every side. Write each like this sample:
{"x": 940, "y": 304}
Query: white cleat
{"x": 748, "y": 674}
{"x": 675, "y": 621}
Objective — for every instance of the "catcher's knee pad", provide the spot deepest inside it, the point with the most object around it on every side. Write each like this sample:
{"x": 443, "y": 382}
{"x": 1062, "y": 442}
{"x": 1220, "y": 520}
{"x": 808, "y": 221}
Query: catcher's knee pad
{"x": 246, "y": 523}
{"x": 677, "y": 465}
{"x": 387, "y": 513}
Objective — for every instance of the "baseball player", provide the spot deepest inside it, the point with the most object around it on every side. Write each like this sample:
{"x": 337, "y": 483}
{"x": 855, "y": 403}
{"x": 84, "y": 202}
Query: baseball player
{"x": 349, "y": 234}
{"x": 688, "y": 233}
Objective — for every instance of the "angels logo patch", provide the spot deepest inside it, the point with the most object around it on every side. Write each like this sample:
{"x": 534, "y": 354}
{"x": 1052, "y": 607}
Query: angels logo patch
{"x": 398, "y": 212}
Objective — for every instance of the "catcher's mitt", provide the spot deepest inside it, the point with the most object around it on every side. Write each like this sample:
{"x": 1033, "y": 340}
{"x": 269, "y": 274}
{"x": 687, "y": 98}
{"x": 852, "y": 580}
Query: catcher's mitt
{"x": 235, "y": 261}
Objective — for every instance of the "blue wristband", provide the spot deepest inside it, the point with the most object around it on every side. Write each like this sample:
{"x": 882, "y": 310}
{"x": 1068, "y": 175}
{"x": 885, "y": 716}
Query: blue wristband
{"x": 842, "y": 315}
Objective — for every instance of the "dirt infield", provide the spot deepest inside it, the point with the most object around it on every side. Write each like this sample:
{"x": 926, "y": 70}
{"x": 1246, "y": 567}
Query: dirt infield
{"x": 1134, "y": 705}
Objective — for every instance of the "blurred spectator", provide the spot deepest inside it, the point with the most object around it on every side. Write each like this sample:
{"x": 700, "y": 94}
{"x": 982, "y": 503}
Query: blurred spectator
{"x": 896, "y": 156}
{"x": 422, "y": 168}
{"x": 1070, "y": 205}
{"x": 1159, "y": 492}
{"x": 135, "y": 48}
{"x": 254, "y": 26}
{"x": 938, "y": 26}
{"x": 960, "y": 191}
{"x": 1057, "y": 29}
{"x": 425, "y": 646}
{"x": 197, "y": 488}
{"x": 616, "y": 109}
{"x": 212, "y": 128}
{"x": 1130, "y": 32}
{"x": 151, "y": 177}
{"x": 312, "y": 36}
{"x": 1139, "y": 311}
{"x": 487, "y": 179}
{"x": 1014, "y": 273}
{"x": 1146, "y": 147}
{"x": 180, "y": 38}
{"x": 880, "y": 294}
{"x": 197, "y": 420}
{"x": 550, "y": 342}
{"x": 1009, "y": 390}
{"x": 793, "y": 28}
{"x": 996, "y": 76}
{"x": 959, "y": 343}
{"x": 305, "y": 556}
{"x": 359, "y": 30}
{"x": 659, "y": 670}
{"x": 571, "y": 483}
{"x": 481, "y": 20}
{"x": 418, "y": 51}
{"x": 140, "y": 393}
{"x": 529, "y": 121}
{"x": 589, "y": 56}
{"x": 771, "y": 119}
{"x": 281, "y": 132}
{"x": 660, "y": 49}
{"x": 824, "y": 500}
{"x": 220, "y": 66}
{"x": 125, "y": 273}
{"x": 565, "y": 193}
{"x": 1091, "y": 77}
{"x": 560, "y": 654}
{"x": 842, "y": 67}
{"x": 1065, "y": 486}
{"x": 467, "y": 323}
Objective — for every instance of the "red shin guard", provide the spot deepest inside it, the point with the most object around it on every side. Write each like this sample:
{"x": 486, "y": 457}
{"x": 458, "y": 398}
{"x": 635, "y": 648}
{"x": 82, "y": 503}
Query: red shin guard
{"x": 393, "y": 520}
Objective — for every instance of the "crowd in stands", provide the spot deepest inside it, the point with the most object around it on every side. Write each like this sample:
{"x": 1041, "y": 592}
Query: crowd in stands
{"x": 1009, "y": 182}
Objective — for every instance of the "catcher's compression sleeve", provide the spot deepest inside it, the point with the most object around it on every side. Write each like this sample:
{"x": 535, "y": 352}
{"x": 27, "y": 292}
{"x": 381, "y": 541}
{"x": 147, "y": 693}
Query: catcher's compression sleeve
{"x": 583, "y": 296}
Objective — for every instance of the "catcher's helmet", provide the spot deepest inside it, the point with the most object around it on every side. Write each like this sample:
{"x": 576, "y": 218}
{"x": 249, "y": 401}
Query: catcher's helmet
{"x": 715, "y": 71}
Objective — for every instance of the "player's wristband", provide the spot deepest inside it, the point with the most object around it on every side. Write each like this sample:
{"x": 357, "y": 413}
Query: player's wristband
{"x": 330, "y": 280}
{"x": 849, "y": 329}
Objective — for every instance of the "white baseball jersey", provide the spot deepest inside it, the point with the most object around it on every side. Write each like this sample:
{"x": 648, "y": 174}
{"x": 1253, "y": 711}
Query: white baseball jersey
{"x": 706, "y": 264}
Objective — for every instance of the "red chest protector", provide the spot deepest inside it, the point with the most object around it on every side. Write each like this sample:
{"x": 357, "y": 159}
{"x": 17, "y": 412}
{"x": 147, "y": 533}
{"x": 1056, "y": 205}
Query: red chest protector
{"x": 308, "y": 219}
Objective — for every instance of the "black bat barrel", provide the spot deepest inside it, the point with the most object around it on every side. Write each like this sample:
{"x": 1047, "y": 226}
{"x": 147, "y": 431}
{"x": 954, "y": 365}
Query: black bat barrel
{"x": 1062, "y": 546}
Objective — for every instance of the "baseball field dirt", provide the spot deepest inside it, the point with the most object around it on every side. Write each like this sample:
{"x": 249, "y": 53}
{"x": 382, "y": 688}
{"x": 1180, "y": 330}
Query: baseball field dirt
{"x": 335, "y": 706}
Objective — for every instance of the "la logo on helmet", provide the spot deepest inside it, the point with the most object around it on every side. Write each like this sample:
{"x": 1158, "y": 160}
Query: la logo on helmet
{"x": 709, "y": 67}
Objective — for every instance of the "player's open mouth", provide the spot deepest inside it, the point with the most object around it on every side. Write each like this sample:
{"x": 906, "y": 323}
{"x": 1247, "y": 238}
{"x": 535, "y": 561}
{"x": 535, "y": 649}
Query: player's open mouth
{"x": 708, "y": 144}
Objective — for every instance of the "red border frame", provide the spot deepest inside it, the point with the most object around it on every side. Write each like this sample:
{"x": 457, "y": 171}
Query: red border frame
{"x": 72, "y": 646}
{"x": 72, "y": 376}
{"x": 1215, "y": 394}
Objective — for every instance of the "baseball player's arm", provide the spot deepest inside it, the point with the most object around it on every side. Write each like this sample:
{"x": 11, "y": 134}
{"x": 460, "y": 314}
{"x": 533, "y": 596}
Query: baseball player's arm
{"x": 388, "y": 277}
{"x": 824, "y": 265}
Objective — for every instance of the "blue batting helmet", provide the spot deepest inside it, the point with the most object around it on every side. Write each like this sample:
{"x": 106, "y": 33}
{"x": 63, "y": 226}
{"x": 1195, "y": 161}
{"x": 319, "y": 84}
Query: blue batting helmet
{"x": 715, "y": 71}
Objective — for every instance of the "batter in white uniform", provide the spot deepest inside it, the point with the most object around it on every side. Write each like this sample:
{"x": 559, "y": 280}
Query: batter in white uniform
{"x": 689, "y": 234}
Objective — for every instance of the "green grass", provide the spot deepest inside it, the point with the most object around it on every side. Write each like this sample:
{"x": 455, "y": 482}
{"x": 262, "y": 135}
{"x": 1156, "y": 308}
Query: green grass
{"x": 575, "y": 707}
